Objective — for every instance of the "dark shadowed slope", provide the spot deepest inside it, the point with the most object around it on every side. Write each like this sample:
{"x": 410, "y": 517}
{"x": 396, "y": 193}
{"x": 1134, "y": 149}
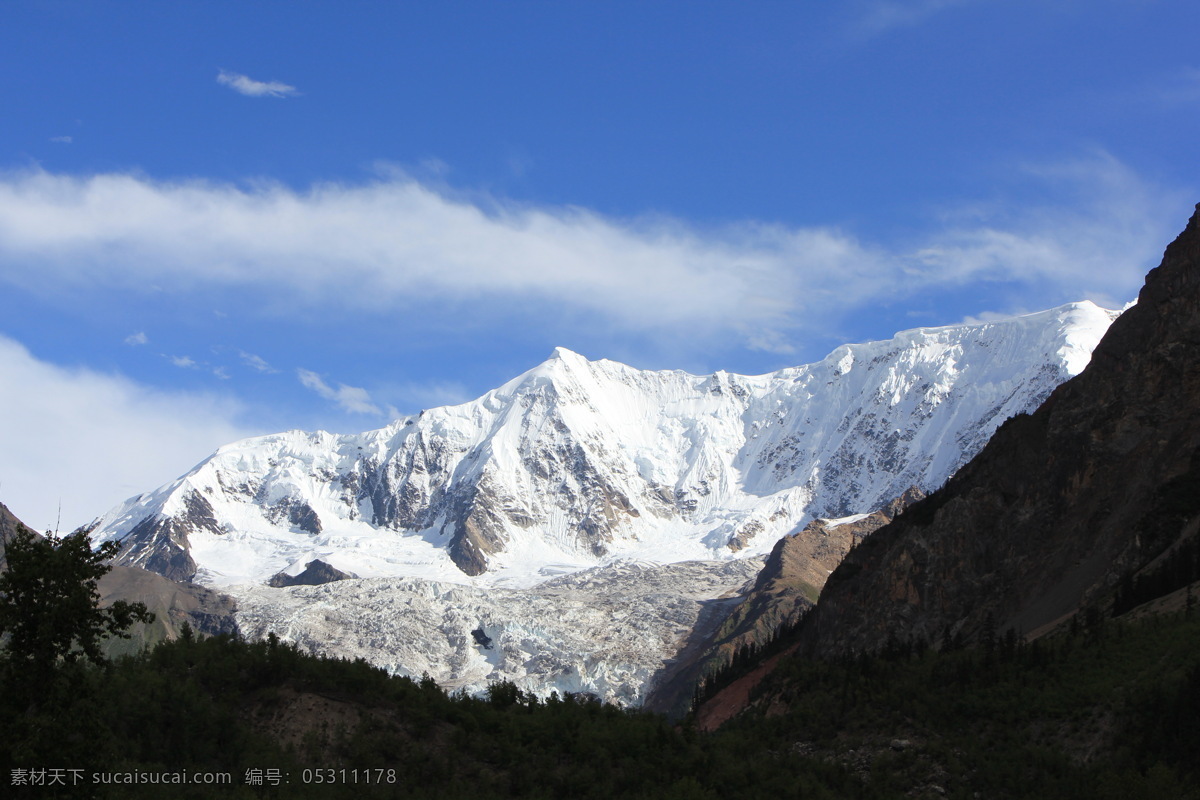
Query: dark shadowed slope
{"x": 1101, "y": 479}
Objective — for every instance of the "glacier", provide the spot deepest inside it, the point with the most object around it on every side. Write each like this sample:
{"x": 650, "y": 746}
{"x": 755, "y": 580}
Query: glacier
{"x": 584, "y": 468}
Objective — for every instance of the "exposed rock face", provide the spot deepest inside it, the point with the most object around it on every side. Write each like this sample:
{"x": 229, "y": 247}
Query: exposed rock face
{"x": 161, "y": 544}
{"x": 315, "y": 573}
{"x": 1103, "y": 477}
{"x": 297, "y": 513}
{"x": 796, "y": 571}
{"x": 787, "y": 586}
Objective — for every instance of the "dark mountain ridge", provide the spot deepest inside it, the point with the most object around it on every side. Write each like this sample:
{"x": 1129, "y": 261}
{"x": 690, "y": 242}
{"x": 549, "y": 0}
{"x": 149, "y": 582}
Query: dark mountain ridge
{"x": 1096, "y": 484}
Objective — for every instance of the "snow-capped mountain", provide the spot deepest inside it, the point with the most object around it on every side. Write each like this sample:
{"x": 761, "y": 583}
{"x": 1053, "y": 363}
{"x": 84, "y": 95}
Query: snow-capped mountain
{"x": 578, "y": 527}
{"x": 576, "y": 463}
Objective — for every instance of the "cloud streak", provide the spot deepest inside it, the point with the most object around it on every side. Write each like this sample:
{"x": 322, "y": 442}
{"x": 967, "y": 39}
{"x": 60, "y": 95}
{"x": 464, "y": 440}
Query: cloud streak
{"x": 1181, "y": 88}
{"x": 398, "y": 244}
{"x": 252, "y": 88}
{"x": 351, "y": 399}
{"x": 881, "y": 16}
{"x": 1103, "y": 242}
{"x": 256, "y": 362}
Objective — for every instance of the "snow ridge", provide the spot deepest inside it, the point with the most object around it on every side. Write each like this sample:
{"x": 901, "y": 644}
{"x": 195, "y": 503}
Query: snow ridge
{"x": 582, "y": 473}
{"x": 577, "y": 462}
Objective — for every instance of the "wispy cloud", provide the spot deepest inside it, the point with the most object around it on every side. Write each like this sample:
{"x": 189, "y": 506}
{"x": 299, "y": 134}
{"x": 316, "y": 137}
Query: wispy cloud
{"x": 879, "y": 16}
{"x": 992, "y": 316}
{"x": 348, "y": 398}
{"x": 252, "y": 88}
{"x": 397, "y": 245}
{"x": 61, "y": 139}
{"x": 136, "y": 339}
{"x": 415, "y": 396}
{"x": 1102, "y": 239}
{"x": 1180, "y": 88}
{"x": 256, "y": 362}
{"x": 184, "y": 362}
{"x": 123, "y": 437}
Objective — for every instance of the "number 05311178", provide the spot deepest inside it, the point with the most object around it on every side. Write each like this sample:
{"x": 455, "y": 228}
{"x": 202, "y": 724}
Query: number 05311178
{"x": 348, "y": 776}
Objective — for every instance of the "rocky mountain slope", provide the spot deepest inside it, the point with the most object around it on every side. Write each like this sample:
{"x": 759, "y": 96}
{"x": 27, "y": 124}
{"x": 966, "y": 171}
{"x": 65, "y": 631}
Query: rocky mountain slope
{"x": 1101, "y": 480}
{"x": 172, "y": 603}
{"x": 783, "y": 591}
{"x": 796, "y": 571}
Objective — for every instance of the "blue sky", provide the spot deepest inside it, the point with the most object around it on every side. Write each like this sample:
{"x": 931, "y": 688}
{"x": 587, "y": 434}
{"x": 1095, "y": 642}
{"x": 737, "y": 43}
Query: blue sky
{"x": 221, "y": 219}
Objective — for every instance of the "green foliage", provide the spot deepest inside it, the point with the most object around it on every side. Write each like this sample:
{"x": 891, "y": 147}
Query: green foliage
{"x": 1013, "y": 724}
{"x": 49, "y": 604}
{"x": 51, "y": 694}
{"x": 1109, "y": 710}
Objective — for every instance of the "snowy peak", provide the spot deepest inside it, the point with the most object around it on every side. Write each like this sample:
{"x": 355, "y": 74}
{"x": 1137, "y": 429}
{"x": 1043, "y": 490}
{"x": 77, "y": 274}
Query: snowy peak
{"x": 576, "y": 462}
{"x": 563, "y": 367}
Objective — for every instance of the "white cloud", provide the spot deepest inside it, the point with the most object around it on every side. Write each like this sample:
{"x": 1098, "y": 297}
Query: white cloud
{"x": 1101, "y": 240}
{"x": 91, "y": 440}
{"x": 135, "y": 339}
{"x": 61, "y": 139}
{"x": 252, "y": 88}
{"x": 184, "y": 362}
{"x": 397, "y": 245}
{"x": 348, "y": 398}
{"x": 992, "y": 316}
{"x": 257, "y": 362}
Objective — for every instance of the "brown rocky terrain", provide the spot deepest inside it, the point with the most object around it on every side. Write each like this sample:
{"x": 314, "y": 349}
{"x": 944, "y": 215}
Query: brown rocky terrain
{"x": 1102, "y": 479}
{"x": 795, "y": 572}
{"x": 173, "y": 603}
{"x": 785, "y": 588}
